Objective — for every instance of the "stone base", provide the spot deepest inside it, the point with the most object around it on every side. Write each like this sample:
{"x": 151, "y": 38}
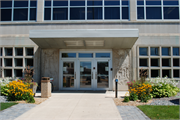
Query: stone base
{"x": 45, "y": 89}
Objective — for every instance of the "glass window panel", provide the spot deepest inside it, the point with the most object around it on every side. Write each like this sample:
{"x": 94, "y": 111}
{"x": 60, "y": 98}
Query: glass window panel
{"x": 18, "y": 73}
{"x": 19, "y": 51}
{"x": 94, "y": 13}
{"x": 20, "y": 3}
{"x": 29, "y": 51}
{"x": 69, "y": 55}
{"x": 176, "y": 73}
{"x": 103, "y": 55}
{"x": 94, "y": 2}
{"x": 86, "y": 55}
{"x": 111, "y": 2}
{"x": 6, "y": 14}
{"x": 33, "y": 14}
{"x": 60, "y": 2}
{"x": 1, "y": 51}
{"x": 165, "y": 62}
{"x": 8, "y": 73}
{"x": 47, "y": 14}
{"x": 176, "y": 62}
{"x": 155, "y": 62}
{"x": 8, "y": 62}
{"x": 8, "y": 51}
{"x": 171, "y": 12}
{"x": 154, "y": 51}
{"x": 68, "y": 74}
{"x": 143, "y": 62}
{"x": 77, "y": 2}
{"x": 77, "y": 13}
{"x": 165, "y": 51}
{"x": 1, "y": 62}
{"x": 112, "y": 13}
{"x": 47, "y": 2}
{"x": 143, "y": 51}
{"x": 140, "y": 12}
{"x": 33, "y": 3}
{"x": 154, "y": 73}
{"x": 153, "y": 2}
{"x": 19, "y": 62}
{"x": 176, "y": 51}
{"x": 140, "y": 2}
{"x": 125, "y": 13}
{"x": 29, "y": 62}
{"x": 60, "y": 13}
{"x": 166, "y": 73}
{"x": 170, "y": 2}
{"x": 6, "y": 3}
{"x": 125, "y": 2}
{"x": 20, "y": 14}
{"x": 153, "y": 13}
{"x": 85, "y": 74}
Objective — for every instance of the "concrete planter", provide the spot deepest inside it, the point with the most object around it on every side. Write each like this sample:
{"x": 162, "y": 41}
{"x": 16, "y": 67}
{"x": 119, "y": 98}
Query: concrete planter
{"x": 34, "y": 88}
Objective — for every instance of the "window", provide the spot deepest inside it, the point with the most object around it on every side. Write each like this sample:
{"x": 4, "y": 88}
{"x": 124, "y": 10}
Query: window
{"x": 176, "y": 73}
{"x": 18, "y": 73}
{"x": 158, "y": 9}
{"x": 8, "y": 62}
{"x": 154, "y": 62}
{"x": 143, "y": 62}
{"x": 176, "y": 62}
{"x": 86, "y": 10}
{"x": 165, "y": 51}
{"x": 85, "y": 55}
{"x": 68, "y": 55}
{"x": 8, "y": 73}
{"x": 19, "y": 62}
{"x": 23, "y": 10}
{"x": 143, "y": 51}
{"x": 154, "y": 51}
{"x": 154, "y": 73}
{"x": 19, "y": 51}
{"x": 8, "y": 51}
{"x": 176, "y": 51}
{"x": 29, "y": 51}
{"x": 103, "y": 55}
{"x": 166, "y": 73}
{"x": 29, "y": 62}
{"x": 165, "y": 62}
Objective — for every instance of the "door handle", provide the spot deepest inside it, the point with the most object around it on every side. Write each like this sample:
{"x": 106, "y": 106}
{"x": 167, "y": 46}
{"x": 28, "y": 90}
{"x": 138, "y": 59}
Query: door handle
{"x": 75, "y": 75}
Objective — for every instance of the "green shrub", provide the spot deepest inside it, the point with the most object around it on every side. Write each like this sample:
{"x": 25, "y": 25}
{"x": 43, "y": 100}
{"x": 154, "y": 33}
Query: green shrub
{"x": 4, "y": 90}
{"x": 126, "y": 99}
{"x": 133, "y": 96}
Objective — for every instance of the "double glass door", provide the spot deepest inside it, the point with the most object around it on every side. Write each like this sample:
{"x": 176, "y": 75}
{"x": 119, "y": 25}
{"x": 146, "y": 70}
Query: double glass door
{"x": 86, "y": 74}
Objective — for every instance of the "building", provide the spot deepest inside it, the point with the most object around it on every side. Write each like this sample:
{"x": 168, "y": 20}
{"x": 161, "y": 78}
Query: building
{"x": 87, "y": 44}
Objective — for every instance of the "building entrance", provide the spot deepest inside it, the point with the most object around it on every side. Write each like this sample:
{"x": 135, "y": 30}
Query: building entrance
{"x": 85, "y": 71}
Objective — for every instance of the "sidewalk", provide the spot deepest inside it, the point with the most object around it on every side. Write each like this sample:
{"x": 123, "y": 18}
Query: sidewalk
{"x": 74, "y": 105}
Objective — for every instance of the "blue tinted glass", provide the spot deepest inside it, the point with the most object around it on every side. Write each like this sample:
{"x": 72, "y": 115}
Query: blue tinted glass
{"x": 112, "y": 13}
{"x": 60, "y": 14}
{"x": 23, "y": 3}
{"x": 77, "y": 2}
{"x": 125, "y": 13}
{"x": 143, "y": 51}
{"x": 94, "y": 2}
{"x": 110, "y": 2}
{"x": 77, "y": 13}
{"x": 33, "y": 14}
{"x": 140, "y": 2}
{"x": 153, "y": 13}
{"x": 48, "y": 3}
{"x": 86, "y": 55}
{"x": 6, "y": 14}
{"x": 33, "y": 3}
{"x": 171, "y": 12}
{"x": 60, "y": 3}
{"x": 20, "y": 14}
{"x": 176, "y": 51}
{"x": 47, "y": 14}
{"x": 153, "y": 2}
{"x": 170, "y": 2}
{"x": 125, "y": 2}
{"x": 103, "y": 55}
{"x": 154, "y": 51}
{"x": 165, "y": 51}
{"x": 140, "y": 12}
{"x": 6, "y": 3}
{"x": 69, "y": 55}
{"x": 94, "y": 13}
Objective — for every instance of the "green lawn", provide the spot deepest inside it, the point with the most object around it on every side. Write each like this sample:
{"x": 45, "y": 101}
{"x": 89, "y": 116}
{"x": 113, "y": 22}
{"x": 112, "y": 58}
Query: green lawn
{"x": 6, "y": 105}
{"x": 160, "y": 112}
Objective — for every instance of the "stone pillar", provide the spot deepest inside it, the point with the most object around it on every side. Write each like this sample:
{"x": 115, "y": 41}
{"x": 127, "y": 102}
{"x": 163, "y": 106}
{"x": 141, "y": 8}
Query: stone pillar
{"x": 45, "y": 89}
{"x": 40, "y": 10}
{"x": 133, "y": 12}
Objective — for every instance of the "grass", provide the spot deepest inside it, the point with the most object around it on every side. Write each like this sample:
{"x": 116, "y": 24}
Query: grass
{"x": 6, "y": 105}
{"x": 160, "y": 112}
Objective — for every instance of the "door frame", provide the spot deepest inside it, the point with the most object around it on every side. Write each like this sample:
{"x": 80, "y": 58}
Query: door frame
{"x": 76, "y": 65}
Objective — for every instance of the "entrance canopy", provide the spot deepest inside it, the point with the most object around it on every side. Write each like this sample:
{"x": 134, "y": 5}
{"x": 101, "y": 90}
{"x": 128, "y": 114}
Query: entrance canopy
{"x": 85, "y": 38}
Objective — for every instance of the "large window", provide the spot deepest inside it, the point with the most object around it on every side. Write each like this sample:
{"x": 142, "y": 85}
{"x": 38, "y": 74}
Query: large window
{"x": 158, "y": 9}
{"x": 18, "y": 10}
{"x": 86, "y": 10}
{"x": 159, "y": 61}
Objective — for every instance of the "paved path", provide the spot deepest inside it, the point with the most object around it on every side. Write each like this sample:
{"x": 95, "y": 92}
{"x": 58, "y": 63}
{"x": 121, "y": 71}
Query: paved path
{"x": 15, "y": 111}
{"x": 74, "y": 106}
{"x": 131, "y": 113}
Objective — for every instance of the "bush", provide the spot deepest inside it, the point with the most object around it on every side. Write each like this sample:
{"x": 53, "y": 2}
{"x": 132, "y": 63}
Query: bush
{"x": 4, "y": 90}
{"x": 17, "y": 90}
{"x": 133, "y": 96}
{"x": 126, "y": 99}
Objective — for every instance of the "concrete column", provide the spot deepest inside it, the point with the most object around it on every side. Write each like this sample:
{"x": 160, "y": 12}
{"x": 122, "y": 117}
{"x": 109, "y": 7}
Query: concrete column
{"x": 133, "y": 12}
{"x": 40, "y": 10}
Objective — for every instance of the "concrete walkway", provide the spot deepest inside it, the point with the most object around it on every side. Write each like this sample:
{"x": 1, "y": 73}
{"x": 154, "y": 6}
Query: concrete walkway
{"x": 74, "y": 106}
